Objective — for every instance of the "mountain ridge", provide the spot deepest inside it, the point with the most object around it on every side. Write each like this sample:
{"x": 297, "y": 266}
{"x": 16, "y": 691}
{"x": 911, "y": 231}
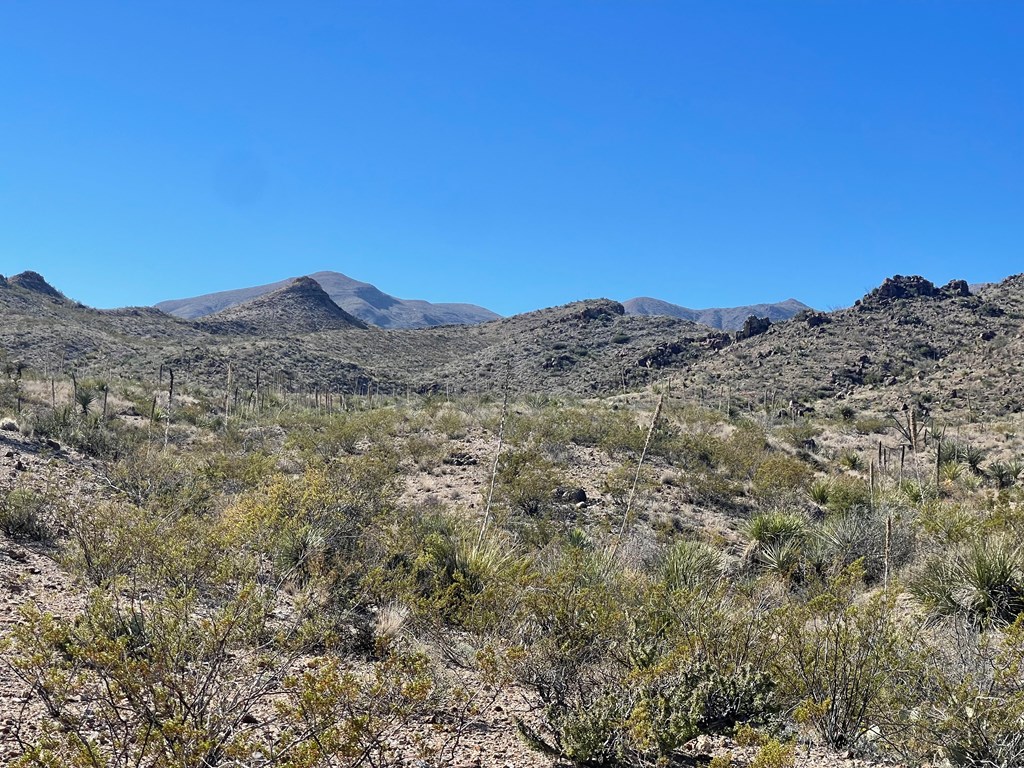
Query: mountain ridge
{"x": 723, "y": 318}
{"x": 361, "y": 300}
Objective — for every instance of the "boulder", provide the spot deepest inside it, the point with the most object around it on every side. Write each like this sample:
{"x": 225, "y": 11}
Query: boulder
{"x": 753, "y": 326}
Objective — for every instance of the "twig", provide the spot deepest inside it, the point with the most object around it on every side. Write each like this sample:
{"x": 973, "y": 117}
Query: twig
{"x": 497, "y": 454}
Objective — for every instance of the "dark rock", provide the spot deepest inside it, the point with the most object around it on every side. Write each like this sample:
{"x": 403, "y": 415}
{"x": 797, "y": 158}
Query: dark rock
{"x": 9, "y": 426}
{"x": 53, "y": 445}
{"x": 662, "y": 355}
{"x": 460, "y": 459}
{"x": 716, "y": 341}
{"x": 560, "y": 362}
{"x": 753, "y": 326}
{"x": 987, "y": 335}
{"x": 956, "y": 288}
{"x": 571, "y": 495}
{"x": 3, "y": 281}
{"x": 602, "y": 309}
{"x": 812, "y": 319}
{"x": 901, "y": 287}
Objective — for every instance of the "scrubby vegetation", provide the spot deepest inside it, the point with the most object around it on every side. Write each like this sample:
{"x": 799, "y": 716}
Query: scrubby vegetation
{"x": 291, "y": 585}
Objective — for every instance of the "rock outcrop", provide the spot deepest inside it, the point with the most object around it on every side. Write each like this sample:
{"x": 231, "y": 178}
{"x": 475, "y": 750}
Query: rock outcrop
{"x": 33, "y": 281}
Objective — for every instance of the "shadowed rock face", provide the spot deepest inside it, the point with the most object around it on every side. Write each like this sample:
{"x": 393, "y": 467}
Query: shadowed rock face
{"x": 33, "y": 281}
{"x": 302, "y": 306}
{"x": 3, "y": 281}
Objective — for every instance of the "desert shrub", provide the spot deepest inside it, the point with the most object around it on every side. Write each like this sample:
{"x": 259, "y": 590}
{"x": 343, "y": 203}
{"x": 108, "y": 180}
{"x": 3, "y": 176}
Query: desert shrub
{"x": 851, "y": 460}
{"x": 111, "y": 541}
{"x": 1003, "y": 473}
{"x": 744, "y": 450}
{"x": 696, "y": 451}
{"x": 819, "y": 491}
{"x": 330, "y": 437}
{"x": 448, "y": 576}
{"x": 844, "y": 661}
{"x": 689, "y": 666}
{"x": 780, "y": 475}
{"x": 164, "y": 481}
{"x": 335, "y": 716}
{"x": 165, "y": 681}
{"x": 798, "y": 435}
{"x": 848, "y": 493}
{"x": 451, "y": 423}
{"x": 974, "y": 708}
{"x": 424, "y": 451}
{"x": 691, "y": 565}
{"x": 527, "y": 480}
{"x": 234, "y": 472}
{"x": 774, "y": 754}
{"x": 26, "y": 516}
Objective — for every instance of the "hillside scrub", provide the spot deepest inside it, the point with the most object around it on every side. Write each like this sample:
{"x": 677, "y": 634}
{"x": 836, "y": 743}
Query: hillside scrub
{"x": 295, "y": 587}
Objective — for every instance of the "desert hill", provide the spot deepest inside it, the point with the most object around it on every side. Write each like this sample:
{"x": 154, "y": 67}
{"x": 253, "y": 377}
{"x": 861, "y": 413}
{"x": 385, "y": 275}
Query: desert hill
{"x": 302, "y": 306}
{"x": 908, "y": 339}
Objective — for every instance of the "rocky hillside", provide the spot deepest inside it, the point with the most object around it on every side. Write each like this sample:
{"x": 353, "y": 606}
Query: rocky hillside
{"x": 362, "y": 300}
{"x": 906, "y": 340}
{"x": 727, "y": 318}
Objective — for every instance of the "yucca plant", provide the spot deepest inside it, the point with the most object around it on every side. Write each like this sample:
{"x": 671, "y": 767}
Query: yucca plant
{"x": 820, "y": 491}
{"x": 691, "y": 565}
{"x": 776, "y": 541}
{"x": 984, "y": 581}
{"x": 1003, "y": 473}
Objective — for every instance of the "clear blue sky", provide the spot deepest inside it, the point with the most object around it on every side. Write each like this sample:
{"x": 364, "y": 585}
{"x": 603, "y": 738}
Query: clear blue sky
{"x": 512, "y": 154}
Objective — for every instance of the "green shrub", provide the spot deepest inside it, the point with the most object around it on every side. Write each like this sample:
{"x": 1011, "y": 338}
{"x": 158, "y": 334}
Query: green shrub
{"x": 25, "y": 515}
{"x": 780, "y": 475}
{"x": 844, "y": 662}
{"x": 774, "y": 754}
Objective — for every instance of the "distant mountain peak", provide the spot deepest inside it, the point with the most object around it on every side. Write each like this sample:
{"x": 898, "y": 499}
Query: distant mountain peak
{"x": 362, "y": 300}
{"x": 723, "y": 318}
{"x": 300, "y": 306}
{"x": 33, "y": 281}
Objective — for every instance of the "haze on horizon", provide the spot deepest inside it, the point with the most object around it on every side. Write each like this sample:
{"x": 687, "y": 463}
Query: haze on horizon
{"x": 512, "y": 155}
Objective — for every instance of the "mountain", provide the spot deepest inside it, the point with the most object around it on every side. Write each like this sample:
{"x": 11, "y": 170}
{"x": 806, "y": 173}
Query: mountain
{"x": 301, "y": 306}
{"x": 726, "y": 319}
{"x": 362, "y": 300}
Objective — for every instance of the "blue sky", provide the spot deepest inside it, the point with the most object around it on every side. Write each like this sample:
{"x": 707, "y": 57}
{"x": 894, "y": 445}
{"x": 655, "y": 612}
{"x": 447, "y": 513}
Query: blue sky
{"x": 512, "y": 154}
